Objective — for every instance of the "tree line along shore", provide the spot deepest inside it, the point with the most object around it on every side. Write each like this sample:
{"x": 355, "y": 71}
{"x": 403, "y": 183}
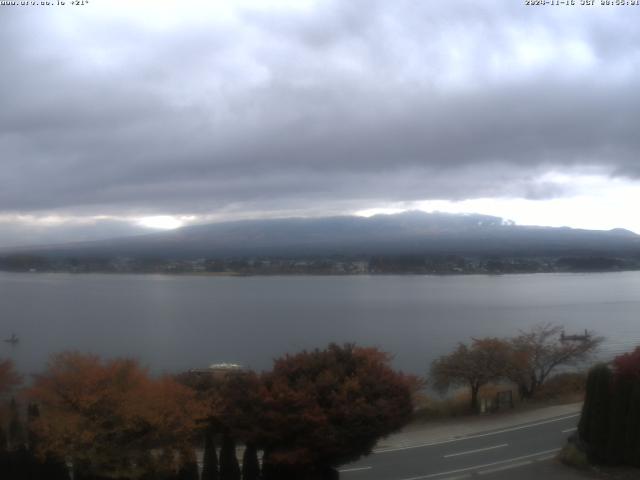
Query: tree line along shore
{"x": 331, "y": 265}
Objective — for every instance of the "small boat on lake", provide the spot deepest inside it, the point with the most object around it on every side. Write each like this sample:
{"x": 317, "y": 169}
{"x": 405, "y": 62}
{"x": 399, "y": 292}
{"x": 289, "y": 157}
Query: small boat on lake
{"x": 13, "y": 340}
{"x": 575, "y": 338}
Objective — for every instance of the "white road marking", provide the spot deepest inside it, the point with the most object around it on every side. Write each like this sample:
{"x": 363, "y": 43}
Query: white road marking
{"x": 570, "y": 430}
{"x": 354, "y": 469}
{"x": 486, "y": 465}
{"x": 504, "y": 467}
{"x": 476, "y": 450}
{"x": 480, "y": 435}
{"x": 546, "y": 457}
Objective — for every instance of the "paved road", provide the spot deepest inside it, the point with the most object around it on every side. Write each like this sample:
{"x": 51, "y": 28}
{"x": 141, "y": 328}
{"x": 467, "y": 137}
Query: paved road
{"x": 489, "y": 455}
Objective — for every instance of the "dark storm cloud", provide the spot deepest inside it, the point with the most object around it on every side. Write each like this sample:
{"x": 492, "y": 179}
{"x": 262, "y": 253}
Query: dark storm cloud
{"x": 338, "y": 105}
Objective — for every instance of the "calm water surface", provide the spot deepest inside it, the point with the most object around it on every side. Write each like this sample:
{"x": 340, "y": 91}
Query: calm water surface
{"x": 177, "y": 322}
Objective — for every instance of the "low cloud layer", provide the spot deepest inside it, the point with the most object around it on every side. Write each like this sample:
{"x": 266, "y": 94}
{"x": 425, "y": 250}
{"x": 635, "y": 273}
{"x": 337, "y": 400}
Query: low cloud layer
{"x": 152, "y": 108}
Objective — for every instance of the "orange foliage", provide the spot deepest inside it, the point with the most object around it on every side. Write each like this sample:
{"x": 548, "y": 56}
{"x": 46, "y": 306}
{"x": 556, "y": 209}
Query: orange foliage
{"x": 485, "y": 361}
{"x": 109, "y": 413}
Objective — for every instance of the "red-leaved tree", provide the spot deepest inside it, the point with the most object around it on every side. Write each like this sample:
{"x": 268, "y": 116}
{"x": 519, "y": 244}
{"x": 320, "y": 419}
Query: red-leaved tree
{"x": 324, "y": 408}
{"x": 628, "y": 365}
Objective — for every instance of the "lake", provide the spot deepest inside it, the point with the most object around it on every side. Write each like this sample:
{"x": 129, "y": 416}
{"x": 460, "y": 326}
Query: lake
{"x": 173, "y": 323}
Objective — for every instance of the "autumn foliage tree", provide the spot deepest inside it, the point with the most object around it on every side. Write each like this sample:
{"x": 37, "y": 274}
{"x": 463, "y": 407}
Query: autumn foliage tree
{"x": 484, "y": 361}
{"x": 9, "y": 378}
{"x": 106, "y": 415}
{"x": 324, "y": 408}
{"x": 229, "y": 401}
{"x": 627, "y": 365}
{"x": 538, "y": 352}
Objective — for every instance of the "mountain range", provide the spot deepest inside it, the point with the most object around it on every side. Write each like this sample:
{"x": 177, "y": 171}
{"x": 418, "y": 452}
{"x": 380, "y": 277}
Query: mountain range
{"x": 408, "y": 233}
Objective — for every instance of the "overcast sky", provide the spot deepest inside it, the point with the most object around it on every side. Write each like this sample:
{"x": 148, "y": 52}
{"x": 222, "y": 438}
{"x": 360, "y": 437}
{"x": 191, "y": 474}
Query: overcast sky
{"x": 121, "y": 116}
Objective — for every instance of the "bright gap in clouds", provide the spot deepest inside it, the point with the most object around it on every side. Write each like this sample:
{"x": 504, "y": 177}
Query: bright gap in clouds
{"x": 595, "y": 203}
{"x": 161, "y": 222}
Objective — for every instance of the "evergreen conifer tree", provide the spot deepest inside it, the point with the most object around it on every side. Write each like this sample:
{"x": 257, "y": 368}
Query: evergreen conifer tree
{"x": 36, "y": 465}
{"x": 3, "y": 440}
{"x": 4, "y": 454}
{"x": 632, "y": 440}
{"x": 147, "y": 464}
{"x": 51, "y": 467}
{"x": 21, "y": 464}
{"x": 210, "y": 459}
{"x": 250, "y": 464}
{"x": 621, "y": 390}
{"x": 4, "y": 464}
{"x": 585, "y": 424}
{"x": 229, "y": 468}
{"x": 188, "y": 465}
{"x": 16, "y": 431}
{"x": 166, "y": 465}
{"x": 82, "y": 470}
{"x": 33, "y": 413}
{"x": 594, "y": 423}
{"x": 54, "y": 468}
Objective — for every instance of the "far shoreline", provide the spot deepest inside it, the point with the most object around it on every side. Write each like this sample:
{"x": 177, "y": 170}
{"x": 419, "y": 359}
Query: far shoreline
{"x": 318, "y": 275}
